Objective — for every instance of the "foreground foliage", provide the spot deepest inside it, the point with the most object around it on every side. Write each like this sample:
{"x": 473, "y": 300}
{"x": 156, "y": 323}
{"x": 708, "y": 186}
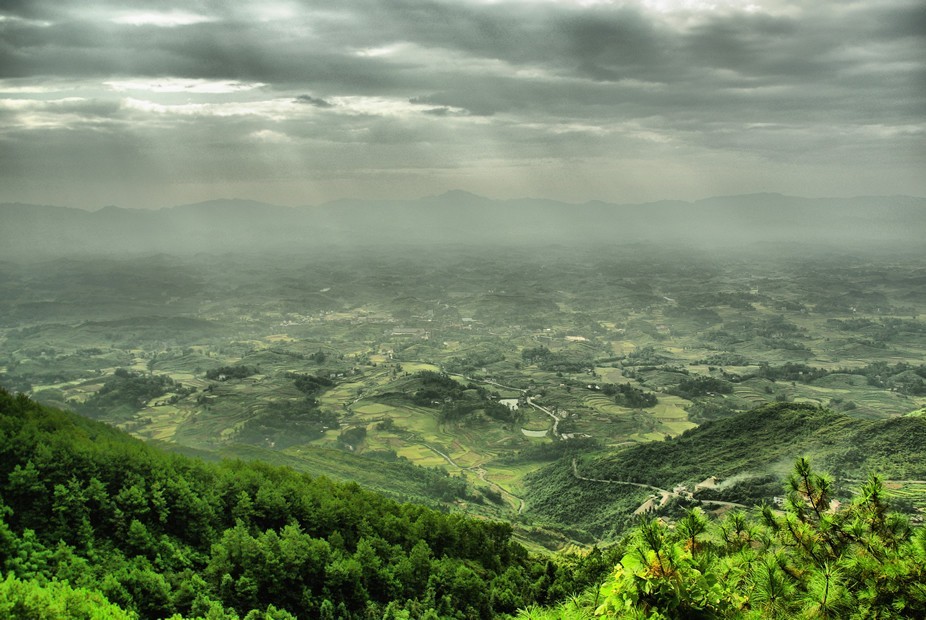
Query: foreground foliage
{"x": 104, "y": 526}
{"x": 94, "y": 524}
{"x": 814, "y": 560}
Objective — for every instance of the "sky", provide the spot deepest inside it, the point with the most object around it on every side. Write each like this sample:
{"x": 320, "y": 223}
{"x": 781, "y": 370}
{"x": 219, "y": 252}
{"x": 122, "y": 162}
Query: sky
{"x": 150, "y": 104}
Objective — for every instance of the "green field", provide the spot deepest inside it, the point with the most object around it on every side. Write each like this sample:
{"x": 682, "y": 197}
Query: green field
{"x": 497, "y": 324}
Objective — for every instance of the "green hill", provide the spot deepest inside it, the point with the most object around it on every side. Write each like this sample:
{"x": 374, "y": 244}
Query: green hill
{"x": 815, "y": 558}
{"x": 749, "y": 454}
{"x": 101, "y": 523}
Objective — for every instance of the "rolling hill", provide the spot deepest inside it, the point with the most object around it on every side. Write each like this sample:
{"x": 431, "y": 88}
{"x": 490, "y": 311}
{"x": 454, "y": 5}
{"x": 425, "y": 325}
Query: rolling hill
{"x": 457, "y": 218}
{"x": 750, "y": 454}
{"x": 105, "y": 526}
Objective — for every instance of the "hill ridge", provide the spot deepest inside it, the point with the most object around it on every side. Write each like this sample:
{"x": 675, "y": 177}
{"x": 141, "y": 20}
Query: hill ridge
{"x": 459, "y": 218}
{"x": 760, "y": 443}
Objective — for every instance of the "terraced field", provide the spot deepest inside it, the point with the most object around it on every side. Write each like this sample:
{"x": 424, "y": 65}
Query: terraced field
{"x": 495, "y": 322}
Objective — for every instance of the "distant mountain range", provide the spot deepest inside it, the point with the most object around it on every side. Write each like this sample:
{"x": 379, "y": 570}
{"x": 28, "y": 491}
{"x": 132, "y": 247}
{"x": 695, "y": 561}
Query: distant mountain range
{"x": 458, "y": 217}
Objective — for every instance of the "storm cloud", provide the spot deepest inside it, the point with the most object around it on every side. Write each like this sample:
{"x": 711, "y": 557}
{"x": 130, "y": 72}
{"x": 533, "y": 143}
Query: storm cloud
{"x": 300, "y": 102}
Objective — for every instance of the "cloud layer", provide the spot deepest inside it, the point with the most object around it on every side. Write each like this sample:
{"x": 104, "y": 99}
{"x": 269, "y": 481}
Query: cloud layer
{"x": 300, "y": 102}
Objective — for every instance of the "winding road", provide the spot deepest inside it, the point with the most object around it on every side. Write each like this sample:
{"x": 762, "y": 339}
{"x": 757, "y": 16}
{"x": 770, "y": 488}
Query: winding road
{"x": 549, "y": 413}
{"x": 575, "y": 472}
{"x": 480, "y": 473}
{"x": 665, "y": 493}
{"x": 444, "y": 456}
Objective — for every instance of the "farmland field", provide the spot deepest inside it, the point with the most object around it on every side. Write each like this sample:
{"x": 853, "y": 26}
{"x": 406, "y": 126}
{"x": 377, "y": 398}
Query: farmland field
{"x": 408, "y": 361}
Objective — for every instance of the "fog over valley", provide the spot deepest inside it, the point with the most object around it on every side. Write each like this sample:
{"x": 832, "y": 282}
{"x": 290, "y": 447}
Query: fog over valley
{"x": 772, "y": 221}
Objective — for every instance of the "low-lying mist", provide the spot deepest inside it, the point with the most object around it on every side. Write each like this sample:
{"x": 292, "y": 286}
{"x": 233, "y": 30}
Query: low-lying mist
{"x": 460, "y": 219}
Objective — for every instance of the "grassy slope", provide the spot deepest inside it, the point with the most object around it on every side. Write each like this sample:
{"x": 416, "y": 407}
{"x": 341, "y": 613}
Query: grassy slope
{"x": 763, "y": 441}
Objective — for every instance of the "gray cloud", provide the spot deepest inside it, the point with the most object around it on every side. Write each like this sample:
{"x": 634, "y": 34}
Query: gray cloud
{"x": 498, "y": 86}
{"x": 315, "y": 101}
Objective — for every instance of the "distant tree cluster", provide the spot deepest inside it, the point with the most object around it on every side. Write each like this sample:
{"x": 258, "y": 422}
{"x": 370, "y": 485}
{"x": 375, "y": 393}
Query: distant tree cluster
{"x": 626, "y": 395}
{"x": 436, "y": 387}
{"x": 725, "y": 359}
{"x": 707, "y": 409}
{"x": 555, "y": 361}
{"x": 473, "y": 361}
{"x": 309, "y": 384}
{"x": 458, "y": 402}
{"x": 903, "y": 377}
{"x": 283, "y": 424}
{"x": 886, "y": 329}
{"x": 127, "y": 391}
{"x": 791, "y": 371}
{"x": 224, "y": 373}
{"x": 553, "y": 451}
{"x": 693, "y": 387}
{"x": 645, "y": 356}
{"x": 466, "y": 409}
{"x": 353, "y": 436}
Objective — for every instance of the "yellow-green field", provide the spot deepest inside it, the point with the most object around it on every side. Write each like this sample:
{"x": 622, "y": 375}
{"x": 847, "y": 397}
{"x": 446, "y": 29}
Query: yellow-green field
{"x": 545, "y": 323}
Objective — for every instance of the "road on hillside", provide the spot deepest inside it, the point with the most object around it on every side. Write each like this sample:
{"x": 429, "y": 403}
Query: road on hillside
{"x": 556, "y": 420}
{"x": 575, "y": 472}
{"x": 665, "y": 493}
{"x": 487, "y": 382}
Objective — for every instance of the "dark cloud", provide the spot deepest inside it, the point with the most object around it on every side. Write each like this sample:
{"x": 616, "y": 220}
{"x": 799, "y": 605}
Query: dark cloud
{"x": 27, "y": 9}
{"x": 519, "y": 81}
{"x": 314, "y": 101}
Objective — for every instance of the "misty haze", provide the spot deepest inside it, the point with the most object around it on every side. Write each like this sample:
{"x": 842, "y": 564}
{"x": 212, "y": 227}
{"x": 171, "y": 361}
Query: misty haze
{"x": 531, "y": 309}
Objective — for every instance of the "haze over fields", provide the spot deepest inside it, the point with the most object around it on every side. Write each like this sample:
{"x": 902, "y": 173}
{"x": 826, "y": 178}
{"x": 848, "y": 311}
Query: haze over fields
{"x": 461, "y": 219}
{"x": 295, "y": 103}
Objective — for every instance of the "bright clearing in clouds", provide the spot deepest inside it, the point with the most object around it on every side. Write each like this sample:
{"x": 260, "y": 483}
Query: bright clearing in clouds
{"x": 301, "y": 102}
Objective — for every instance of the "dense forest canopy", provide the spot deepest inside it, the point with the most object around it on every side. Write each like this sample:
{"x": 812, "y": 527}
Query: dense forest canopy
{"x": 96, "y": 519}
{"x": 98, "y": 525}
{"x": 462, "y": 309}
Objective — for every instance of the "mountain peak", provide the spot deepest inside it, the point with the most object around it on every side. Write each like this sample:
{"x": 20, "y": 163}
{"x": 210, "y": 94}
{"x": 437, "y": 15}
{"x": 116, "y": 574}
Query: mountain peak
{"x": 228, "y": 205}
{"x": 458, "y": 196}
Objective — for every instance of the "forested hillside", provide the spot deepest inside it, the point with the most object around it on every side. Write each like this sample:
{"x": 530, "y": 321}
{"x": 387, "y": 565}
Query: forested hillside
{"x": 96, "y": 524}
{"x": 749, "y": 454}
{"x": 815, "y": 559}
{"x": 105, "y": 526}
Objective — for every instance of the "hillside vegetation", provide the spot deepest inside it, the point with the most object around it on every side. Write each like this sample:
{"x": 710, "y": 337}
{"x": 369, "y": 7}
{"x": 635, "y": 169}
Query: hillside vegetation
{"x": 106, "y": 526}
{"x": 95, "y": 524}
{"x": 815, "y": 560}
{"x": 752, "y": 451}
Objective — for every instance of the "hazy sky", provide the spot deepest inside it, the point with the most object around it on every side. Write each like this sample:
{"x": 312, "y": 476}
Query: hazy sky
{"x": 157, "y": 103}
